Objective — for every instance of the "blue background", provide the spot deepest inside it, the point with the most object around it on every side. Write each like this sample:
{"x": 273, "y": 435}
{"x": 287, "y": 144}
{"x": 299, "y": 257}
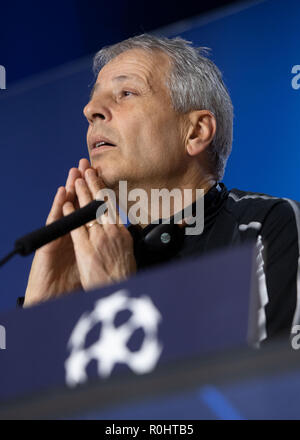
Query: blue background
{"x": 42, "y": 131}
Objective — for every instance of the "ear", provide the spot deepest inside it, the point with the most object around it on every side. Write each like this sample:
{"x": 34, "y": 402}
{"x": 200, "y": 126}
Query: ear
{"x": 201, "y": 132}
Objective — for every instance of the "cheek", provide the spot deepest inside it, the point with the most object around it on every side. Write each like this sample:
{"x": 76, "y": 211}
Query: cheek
{"x": 149, "y": 129}
{"x": 149, "y": 136}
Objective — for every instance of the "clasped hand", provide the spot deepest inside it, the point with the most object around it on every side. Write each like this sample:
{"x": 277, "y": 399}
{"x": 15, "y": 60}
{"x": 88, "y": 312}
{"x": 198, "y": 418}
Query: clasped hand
{"x": 87, "y": 257}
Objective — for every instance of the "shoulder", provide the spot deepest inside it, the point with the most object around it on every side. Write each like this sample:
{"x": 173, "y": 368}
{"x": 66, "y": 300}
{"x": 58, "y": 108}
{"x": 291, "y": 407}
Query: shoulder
{"x": 274, "y": 222}
{"x": 247, "y": 206}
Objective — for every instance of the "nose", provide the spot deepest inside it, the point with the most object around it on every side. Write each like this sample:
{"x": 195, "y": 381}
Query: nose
{"x": 96, "y": 110}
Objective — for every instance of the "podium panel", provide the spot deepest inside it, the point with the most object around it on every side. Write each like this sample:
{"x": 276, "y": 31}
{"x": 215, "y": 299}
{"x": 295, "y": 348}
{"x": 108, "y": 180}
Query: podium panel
{"x": 135, "y": 338}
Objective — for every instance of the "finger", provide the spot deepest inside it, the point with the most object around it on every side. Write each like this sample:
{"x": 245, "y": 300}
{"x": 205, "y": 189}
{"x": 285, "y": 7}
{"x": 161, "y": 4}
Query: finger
{"x": 95, "y": 183}
{"x": 79, "y": 234}
{"x": 121, "y": 220}
{"x": 82, "y": 192}
{"x": 113, "y": 214}
{"x": 74, "y": 174}
{"x": 96, "y": 234}
{"x": 112, "y": 244}
{"x": 109, "y": 212}
{"x": 117, "y": 232}
{"x": 120, "y": 248}
{"x": 56, "y": 208}
{"x": 83, "y": 165}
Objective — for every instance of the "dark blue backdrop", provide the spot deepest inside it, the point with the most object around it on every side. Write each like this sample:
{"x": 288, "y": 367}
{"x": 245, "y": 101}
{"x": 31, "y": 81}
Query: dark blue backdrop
{"x": 36, "y": 36}
{"x": 43, "y": 129}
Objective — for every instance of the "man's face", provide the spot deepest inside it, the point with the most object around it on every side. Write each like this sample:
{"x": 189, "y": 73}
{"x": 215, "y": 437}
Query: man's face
{"x": 131, "y": 108}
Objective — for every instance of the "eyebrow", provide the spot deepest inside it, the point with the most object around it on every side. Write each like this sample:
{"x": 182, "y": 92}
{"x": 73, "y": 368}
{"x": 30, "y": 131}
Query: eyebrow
{"x": 118, "y": 78}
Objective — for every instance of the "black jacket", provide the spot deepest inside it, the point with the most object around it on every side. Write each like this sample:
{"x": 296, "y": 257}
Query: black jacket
{"x": 235, "y": 217}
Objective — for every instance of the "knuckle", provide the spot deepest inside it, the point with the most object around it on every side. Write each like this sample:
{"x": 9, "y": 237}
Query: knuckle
{"x": 79, "y": 181}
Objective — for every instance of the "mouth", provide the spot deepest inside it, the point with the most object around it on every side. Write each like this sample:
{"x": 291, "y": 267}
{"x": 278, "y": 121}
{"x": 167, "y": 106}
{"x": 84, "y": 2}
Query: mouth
{"x": 101, "y": 145}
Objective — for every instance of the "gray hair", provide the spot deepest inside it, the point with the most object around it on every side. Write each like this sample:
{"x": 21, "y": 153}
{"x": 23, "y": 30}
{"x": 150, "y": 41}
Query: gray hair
{"x": 195, "y": 83}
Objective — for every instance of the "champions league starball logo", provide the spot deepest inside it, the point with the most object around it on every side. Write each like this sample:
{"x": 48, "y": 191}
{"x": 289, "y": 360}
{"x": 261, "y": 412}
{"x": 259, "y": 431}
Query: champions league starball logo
{"x": 112, "y": 345}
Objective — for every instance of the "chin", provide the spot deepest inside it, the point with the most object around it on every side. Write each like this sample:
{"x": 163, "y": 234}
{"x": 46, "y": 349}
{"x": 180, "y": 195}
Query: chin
{"x": 110, "y": 179}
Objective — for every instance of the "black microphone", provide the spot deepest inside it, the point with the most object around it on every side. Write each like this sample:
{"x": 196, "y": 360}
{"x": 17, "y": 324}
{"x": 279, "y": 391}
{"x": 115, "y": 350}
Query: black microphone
{"x": 36, "y": 239}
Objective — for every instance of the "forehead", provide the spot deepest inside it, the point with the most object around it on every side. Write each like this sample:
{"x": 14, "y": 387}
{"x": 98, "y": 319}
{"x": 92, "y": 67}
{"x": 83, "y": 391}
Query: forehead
{"x": 150, "y": 67}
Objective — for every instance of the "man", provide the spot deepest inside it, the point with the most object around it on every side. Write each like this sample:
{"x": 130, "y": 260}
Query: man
{"x": 159, "y": 117}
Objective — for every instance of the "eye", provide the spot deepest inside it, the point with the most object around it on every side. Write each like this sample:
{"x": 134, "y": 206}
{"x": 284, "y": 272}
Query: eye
{"x": 126, "y": 93}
